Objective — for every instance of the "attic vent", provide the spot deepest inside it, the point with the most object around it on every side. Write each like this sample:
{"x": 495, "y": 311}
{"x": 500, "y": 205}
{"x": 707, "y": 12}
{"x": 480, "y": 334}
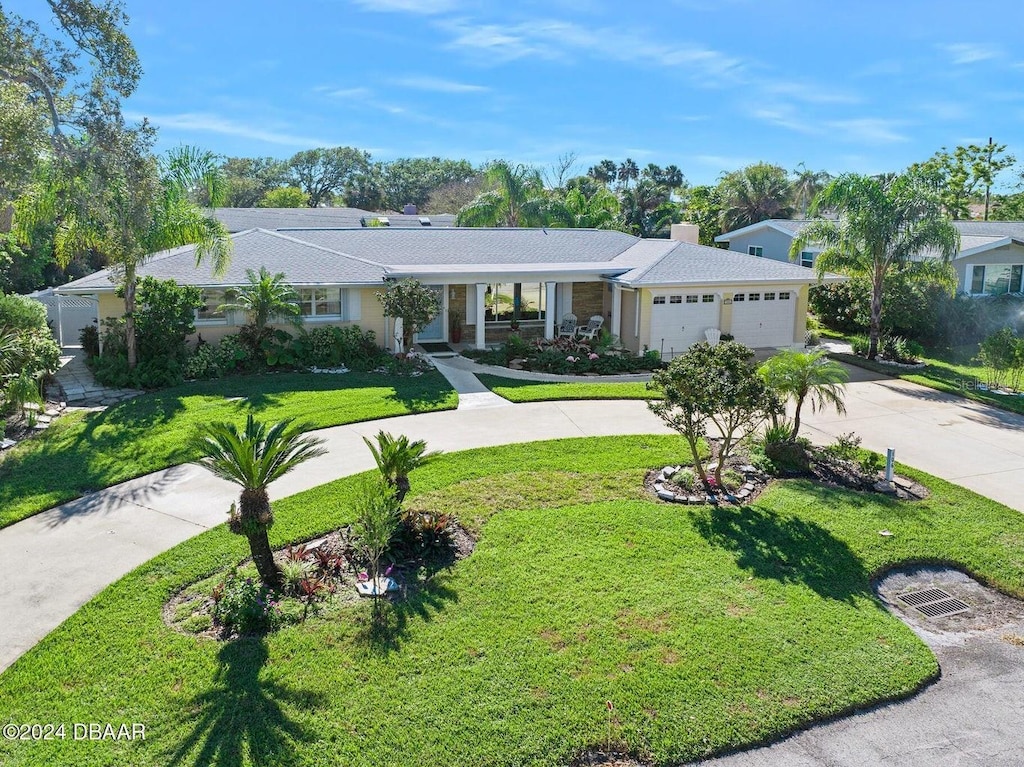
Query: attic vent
{"x": 424, "y": 221}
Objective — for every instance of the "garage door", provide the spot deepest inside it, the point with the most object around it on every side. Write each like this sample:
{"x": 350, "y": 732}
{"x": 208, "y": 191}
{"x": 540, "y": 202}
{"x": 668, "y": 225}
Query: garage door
{"x": 764, "y": 318}
{"x": 680, "y": 319}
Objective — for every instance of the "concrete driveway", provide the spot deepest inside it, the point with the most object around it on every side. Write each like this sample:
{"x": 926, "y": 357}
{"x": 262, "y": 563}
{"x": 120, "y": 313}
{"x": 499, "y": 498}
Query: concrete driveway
{"x": 971, "y": 444}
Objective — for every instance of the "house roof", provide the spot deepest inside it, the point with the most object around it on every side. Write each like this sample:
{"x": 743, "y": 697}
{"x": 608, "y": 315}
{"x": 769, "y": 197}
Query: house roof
{"x": 367, "y": 256}
{"x": 686, "y": 263}
{"x": 241, "y": 219}
{"x": 791, "y": 227}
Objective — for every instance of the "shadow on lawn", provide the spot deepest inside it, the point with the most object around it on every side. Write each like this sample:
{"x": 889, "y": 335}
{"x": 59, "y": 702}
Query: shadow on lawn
{"x": 243, "y": 719}
{"x": 787, "y": 549}
{"x": 388, "y": 628}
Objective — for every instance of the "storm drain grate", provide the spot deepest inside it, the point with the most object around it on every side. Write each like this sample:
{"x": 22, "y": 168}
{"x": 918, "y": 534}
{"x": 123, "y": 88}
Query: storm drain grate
{"x": 935, "y": 603}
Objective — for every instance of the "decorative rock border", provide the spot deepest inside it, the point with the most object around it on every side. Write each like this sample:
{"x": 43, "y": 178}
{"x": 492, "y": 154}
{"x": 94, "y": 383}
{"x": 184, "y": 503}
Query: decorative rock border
{"x": 753, "y": 479}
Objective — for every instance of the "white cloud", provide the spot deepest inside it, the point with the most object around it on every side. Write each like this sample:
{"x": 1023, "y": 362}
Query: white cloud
{"x": 784, "y": 116}
{"x": 203, "y": 122}
{"x": 438, "y": 85}
{"x": 971, "y": 53}
{"x": 810, "y": 93}
{"x": 421, "y": 7}
{"x": 345, "y": 94}
{"x": 868, "y": 130}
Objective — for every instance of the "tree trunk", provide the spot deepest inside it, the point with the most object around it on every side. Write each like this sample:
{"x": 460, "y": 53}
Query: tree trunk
{"x": 401, "y": 488}
{"x": 130, "y": 279}
{"x": 796, "y": 418}
{"x": 875, "y": 331}
{"x": 256, "y": 518}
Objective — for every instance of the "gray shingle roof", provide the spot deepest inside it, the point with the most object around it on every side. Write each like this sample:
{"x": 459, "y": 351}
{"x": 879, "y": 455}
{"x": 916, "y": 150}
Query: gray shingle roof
{"x": 404, "y": 248}
{"x": 301, "y": 262}
{"x": 241, "y": 219}
{"x": 990, "y": 228}
{"x": 685, "y": 263}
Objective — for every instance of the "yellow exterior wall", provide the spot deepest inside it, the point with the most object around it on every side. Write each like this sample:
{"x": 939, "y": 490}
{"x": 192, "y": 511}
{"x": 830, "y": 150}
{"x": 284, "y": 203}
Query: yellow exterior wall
{"x": 109, "y": 306}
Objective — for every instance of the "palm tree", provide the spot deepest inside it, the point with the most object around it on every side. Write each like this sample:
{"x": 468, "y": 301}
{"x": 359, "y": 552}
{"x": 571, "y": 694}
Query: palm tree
{"x": 755, "y": 193}
{"x": 577, "y": 211}
{"x": 516, "y": 198}
{"x": 885, "y": 224}
{"x": 806, "y": 185}
{"x": 396, "y": 457}
{"x": 798, "y": 375}
{"x": 628, "y": 172}
{"x": 647, "y": 209}
{"x": 254, "y": 457}
{"x": 123, "y": 207}
{"x": 265, "y": 297}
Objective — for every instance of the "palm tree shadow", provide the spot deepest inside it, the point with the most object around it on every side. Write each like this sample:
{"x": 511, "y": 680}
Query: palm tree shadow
{"x": 387, "y": 627}
{"x": 786, "y": 549}
{"x": 242, "y": 718}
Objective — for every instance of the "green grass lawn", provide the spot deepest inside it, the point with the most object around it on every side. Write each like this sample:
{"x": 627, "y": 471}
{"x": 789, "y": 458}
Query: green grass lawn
{"x": 708, "y": 629}
{"x": 517, "y": 390}
{"x": 81, "y": 453}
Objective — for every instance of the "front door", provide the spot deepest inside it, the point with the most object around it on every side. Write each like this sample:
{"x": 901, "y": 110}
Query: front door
{"x": 435, "y": 330}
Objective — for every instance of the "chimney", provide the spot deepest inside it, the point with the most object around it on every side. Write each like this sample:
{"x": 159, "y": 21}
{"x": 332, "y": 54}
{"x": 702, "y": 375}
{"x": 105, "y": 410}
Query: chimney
{"x": 685, "y": 233}
{"x": 409, "y": 209}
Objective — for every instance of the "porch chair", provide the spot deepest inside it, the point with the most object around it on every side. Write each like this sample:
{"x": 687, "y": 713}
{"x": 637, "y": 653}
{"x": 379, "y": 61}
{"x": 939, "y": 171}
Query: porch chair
{"x": 567, "y": 329}
{"x": 592, "y": 329}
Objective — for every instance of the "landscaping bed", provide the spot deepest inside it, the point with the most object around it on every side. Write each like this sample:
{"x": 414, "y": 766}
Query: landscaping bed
{"x": 707, "y": 628}
{"x": 566, "y": 356}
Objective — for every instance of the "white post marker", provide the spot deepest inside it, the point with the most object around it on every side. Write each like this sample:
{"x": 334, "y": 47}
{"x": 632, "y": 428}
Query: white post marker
{"x": 890, "y": 459}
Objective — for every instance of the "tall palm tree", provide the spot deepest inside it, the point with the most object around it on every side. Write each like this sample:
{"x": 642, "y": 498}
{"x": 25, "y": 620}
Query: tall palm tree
{"x": 254, "y": 457}
{"x": 516, "y": 198}
{"x": 575, "y": 210}
{"x": 265, "y": 297}
{"x": 647, "y": 209}
{"x": 806, "y": 185}
{"x": 628, "y": 172}
{"x": 396, "y": 457}
{"x": 755, "y": 193}
{"x": 885, "y": 224}
{"x": 799, "y": 375}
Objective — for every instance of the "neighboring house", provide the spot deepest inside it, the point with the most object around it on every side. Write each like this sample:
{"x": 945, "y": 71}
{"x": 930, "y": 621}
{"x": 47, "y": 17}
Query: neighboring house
{"x": 653, "y": 294}
{"x": 242, "y": 219}
{"x": 990, "y": 261}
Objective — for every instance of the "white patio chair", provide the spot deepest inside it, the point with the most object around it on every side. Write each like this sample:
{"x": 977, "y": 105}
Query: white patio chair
{"x": 592, "y": 329}
{"x": 567, "y": 328}
{"x": 713, "y": 335}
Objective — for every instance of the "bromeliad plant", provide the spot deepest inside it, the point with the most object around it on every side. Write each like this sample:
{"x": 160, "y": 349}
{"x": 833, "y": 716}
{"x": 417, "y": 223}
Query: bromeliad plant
{"x": 252, "y": 458}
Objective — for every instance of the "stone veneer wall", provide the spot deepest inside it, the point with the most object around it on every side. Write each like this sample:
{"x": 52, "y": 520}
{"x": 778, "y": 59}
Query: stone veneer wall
{"x": 588, "y": 299}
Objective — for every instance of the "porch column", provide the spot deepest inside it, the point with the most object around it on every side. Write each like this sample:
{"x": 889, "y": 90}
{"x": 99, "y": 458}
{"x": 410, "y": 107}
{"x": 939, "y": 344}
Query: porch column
{"x": 481, "y": 296}
{"x": 616, "y": 321}
{"x": 549, "y": 309}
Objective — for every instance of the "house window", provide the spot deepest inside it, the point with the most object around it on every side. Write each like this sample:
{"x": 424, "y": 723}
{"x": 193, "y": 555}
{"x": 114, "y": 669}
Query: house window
{"x": 755, "y": 250}
{"x": 675, "y": 299}
{"x": 659, "y": 299}
{"x": 708, "y": 298}
{"x": 327, "y": 303}
{"x": 978, "y": 280}
{"x": 754, "y": 296}
{"x": 769, "y": 296}
{"x": 1016, "y": 275}
{"x": 208, "y": 311}
{"x": 739, "y": 297}
{"x": 806, "y": 258}
{"x": 783, "y": 295}
{"x": 691, "y": 299}
{"x": 505, "y": 301}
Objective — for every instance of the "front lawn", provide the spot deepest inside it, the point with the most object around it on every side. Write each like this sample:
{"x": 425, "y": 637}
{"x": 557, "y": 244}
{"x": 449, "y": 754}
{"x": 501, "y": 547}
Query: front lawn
{"x": 706, "y": 629}
{"x": 517, "y": 390}
{"x": 81, "y": 453}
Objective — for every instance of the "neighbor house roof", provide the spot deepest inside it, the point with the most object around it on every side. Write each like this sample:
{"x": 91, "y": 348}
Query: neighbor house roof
{"x": 367, "y": 256}
{"x": 241, "y": 219}
{"x": 791, "y": 227}
{"x": 685, "y": 263}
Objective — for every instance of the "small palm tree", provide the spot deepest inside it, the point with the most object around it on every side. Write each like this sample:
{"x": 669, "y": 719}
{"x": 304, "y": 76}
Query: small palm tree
{"x": 798, "y": 375}
{"x": 254, "y": 457}
{"x": 396, "y": 457}
{"x": 265, "y": 297}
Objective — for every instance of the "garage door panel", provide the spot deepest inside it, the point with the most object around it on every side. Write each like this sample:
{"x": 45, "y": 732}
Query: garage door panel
{"x": 764, "y": 318}
{"x": 678, "y": 320}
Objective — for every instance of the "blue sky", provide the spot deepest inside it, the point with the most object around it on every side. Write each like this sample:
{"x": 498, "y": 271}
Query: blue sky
{"x": 710, "y": 85}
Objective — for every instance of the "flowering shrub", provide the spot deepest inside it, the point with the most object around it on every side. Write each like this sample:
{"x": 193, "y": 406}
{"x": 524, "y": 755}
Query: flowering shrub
{"x": 244, "y": 606}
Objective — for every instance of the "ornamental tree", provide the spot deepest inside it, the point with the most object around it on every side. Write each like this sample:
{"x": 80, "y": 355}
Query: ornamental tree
{"x": 413, "y": 303}
{"x": 717, "y": 384}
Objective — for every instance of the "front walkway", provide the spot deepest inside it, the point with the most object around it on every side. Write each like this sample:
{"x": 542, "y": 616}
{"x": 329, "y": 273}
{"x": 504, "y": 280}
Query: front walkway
{"x": 80, "y": 388}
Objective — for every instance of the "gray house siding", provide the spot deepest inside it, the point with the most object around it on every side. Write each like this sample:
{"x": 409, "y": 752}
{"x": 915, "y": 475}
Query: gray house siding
{"x": 775, "y": 243}
{"x": 1008, "y": 254}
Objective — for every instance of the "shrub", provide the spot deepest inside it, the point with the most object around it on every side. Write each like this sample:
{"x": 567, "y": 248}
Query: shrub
{"x": 845, "y": 448}
{"x": 860, "y": 345}
{"x": 871, "y": 462}
{"x": 899, "y": 349}
{"x": 89, "y": 337}
{"x": 244, "y": 606}
{"x": 22, "y": 314}
{"x": 685, "y": 477}
{"x": 215, "y": 360}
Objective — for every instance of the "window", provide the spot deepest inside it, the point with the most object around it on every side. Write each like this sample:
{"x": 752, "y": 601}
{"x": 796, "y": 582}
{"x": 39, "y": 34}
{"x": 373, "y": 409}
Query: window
{"x": 769, "y": 296}
{"x": 691, "y": 299}
{"x": 978, "y": 280}
{"x": 208, "y": 311}
{"x": 806, "y": 258}
{"x": 739, "y": 297}
{"x": 708, "y": 298}
{"x": 505, "y": 301}
{"x": 332, "y": 303}
{"x": 675, "y": 299}
{"x": 659, "y": 299}
{"x": 755, "y": 250}
{"x": 754, "y": 296}
{"x": 1016, "y": 275}
{"x": 783, "y": 295}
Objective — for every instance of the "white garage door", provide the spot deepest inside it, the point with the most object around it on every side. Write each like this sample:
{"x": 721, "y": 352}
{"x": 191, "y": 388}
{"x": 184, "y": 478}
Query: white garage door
{"x": 680, "y": 319}
{"x": 764, "y": 318}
